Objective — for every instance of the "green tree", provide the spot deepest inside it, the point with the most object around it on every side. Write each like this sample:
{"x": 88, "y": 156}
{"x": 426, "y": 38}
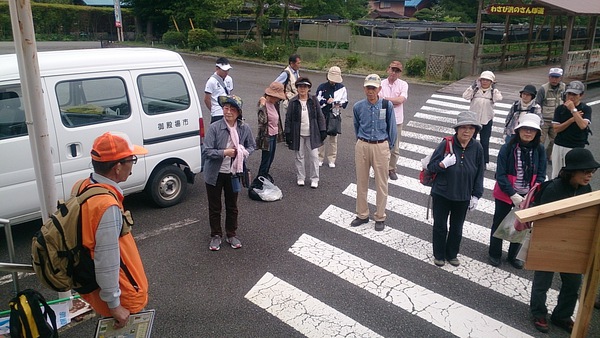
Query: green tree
{"x": 348, "y": 9}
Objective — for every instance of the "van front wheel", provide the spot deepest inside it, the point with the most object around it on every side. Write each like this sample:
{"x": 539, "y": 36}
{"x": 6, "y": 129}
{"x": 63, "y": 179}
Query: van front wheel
{"x": 167, "y": 186}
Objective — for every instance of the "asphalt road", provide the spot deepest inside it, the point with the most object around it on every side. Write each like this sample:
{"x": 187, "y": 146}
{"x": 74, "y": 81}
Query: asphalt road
{"x": 198, "y": 293}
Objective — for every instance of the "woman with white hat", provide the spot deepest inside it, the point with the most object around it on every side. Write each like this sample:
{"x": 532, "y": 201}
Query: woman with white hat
{"x": 483, "y": 94}
{"x": 333, "y": 97}
{"x": 521, "y": 164}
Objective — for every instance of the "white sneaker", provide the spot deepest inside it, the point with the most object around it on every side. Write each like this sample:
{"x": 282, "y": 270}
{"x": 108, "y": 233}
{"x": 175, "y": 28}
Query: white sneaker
{"x": 314, "y": 184}
{"x": 300, "y": 183}
{"x": 331, "y": 165}
{"x": 320, "y": 163}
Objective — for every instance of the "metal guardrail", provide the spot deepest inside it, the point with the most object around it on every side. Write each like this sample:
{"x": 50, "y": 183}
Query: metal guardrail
{"x": 11, "y": 266}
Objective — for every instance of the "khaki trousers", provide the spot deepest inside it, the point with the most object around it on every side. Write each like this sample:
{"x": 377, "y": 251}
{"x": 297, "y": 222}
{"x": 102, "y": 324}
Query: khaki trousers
{"x": 548, "y": 132}
{"x": 377, "y": 156}
{"x": 329, "y": 149}
{"x": 395, "y": 154}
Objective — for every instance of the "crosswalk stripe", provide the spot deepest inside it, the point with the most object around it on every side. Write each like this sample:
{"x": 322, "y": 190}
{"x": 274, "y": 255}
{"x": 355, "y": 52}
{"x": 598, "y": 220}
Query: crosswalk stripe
{"x": 304, "y": 313}
{"x": 499, "y": 120}
{"x": 483, "y": 274}
{"x": 419, "y": 149}
{"x": 460, "y": 99}
{"x": 442, "y": 312}
{"x": 414, "y": 211}
{"x": 461, "y": 106}
{"x": 416, "y": 165}
{"x": 451, "y": 131}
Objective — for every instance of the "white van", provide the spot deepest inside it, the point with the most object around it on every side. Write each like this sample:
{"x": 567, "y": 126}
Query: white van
{"x": 146, "y": 93}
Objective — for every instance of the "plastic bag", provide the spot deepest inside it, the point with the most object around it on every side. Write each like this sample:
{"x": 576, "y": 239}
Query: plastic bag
{"x": 506, "y": 230}
{"x": 522, "y": 254}
{"x": 269, "y": 192}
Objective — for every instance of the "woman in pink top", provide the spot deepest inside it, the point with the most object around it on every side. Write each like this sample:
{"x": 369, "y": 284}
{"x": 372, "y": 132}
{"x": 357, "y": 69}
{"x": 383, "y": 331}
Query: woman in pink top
{"x": 270, "y": 130}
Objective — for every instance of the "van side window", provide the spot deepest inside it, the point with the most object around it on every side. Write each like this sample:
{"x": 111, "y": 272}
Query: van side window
{"x": 92, "y": 101}
{"x": 163, "y": 93}
{"x": 12, "y": 114}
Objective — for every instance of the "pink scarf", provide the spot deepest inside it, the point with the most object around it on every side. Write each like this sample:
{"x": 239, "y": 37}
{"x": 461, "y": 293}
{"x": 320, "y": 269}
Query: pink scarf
{"x": 237, "y": 163}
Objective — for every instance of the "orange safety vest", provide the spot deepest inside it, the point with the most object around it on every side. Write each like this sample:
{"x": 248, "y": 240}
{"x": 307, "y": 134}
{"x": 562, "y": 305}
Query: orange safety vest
{"x": 132, "y": 278}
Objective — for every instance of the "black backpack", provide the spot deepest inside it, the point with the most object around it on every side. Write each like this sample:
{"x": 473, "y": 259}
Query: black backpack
{"x": 27, "y": 320}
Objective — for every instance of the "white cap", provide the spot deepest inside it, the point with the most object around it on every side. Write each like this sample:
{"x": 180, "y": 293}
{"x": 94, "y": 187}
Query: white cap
{"x": 488, "y": 75}
{"x": 556, "y": 72}
{"x": 225, "y": 66}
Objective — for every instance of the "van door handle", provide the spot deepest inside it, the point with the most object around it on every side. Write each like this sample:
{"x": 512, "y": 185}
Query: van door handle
{"x": 73, "y": 148}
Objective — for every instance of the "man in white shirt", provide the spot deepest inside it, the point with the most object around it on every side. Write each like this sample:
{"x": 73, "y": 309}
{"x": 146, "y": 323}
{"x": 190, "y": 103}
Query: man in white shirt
{"x": 396, "y": 91}
{"x": 219, "y": 84}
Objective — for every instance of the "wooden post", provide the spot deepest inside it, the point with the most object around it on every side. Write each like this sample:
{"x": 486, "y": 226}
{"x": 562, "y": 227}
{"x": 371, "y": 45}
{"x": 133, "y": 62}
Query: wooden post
{"x": 567, "y": 45}
{"x": 478, "y": 37}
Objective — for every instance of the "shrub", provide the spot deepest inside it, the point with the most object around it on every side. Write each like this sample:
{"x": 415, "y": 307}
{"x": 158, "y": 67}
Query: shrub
{"x": 352, "y": 61}
{"x": 415, "y": 66}
{"x": 201, "y": 39}
{"x": 249, "y": 48}
{"x": 275, "y": 52}
{"x": 173, "y": 38}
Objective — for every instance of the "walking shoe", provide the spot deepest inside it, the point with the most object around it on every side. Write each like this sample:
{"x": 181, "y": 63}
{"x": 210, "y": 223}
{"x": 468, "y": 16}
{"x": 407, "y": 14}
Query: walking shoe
{"x": 393, "y": 175}
{"x": 379, "y": 226}
{"x": 331, "y": 165}
{"x": 454, "y": 262}
{"x": 359, "y": 221}
{"x": 215, "y": 243}
{"x": 320, "y": 163}
{"x": 314, "y": 184}
{"x": 541, "y": 324}
{"x": 234, "y": 242}
{"x": 300, "y": 183}
{"x": 517, "y": 264}
{"x": 494, "y": 261}
{"x": 439, "y": 262}
{"x": 565, "y": 323}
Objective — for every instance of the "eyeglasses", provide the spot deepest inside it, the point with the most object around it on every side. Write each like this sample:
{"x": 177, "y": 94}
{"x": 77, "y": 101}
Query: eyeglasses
{"x": 589, "y": 171}
{"x": 132, "y": 160}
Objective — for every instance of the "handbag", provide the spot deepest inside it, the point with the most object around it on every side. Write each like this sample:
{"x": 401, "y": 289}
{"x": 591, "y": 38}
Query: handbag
{"x": 334, "y": 124}
{"x": 507, "y": 231}
{"x": 426, "y": 177}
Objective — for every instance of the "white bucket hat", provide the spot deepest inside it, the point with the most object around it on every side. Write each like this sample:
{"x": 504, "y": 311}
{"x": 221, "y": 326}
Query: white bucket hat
{"x": 529, "y": 120}
{"x": 488, "y": 75}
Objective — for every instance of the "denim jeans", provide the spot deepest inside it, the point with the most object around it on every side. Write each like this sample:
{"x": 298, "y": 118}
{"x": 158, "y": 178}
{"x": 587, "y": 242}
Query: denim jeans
{"x": 267, "y": 157}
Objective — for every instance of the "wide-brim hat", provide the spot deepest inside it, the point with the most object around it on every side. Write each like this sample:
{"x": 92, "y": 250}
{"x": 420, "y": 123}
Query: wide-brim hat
{"x": 233, "y": 100}
{"x": 276, "y": 89}
{"x": 467, "y": 118}
{"x": 114, "y": 146}
{"x": 580, "y": 159}
{"x": 529, "y": 120}
{"x": 335, "y": 74}
{"x": 303, "y": 81}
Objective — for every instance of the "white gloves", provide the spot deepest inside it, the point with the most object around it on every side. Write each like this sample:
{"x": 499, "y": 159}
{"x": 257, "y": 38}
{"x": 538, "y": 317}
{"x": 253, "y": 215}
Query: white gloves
{"x": 517, "y": 199}
{"x": 473, "y": 203}
{"x": 449, "y": 160}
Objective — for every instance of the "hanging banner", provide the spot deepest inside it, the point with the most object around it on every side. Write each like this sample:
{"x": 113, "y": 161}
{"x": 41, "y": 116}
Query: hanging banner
{"x": 514, "y": 10}
{"x": 118, "y": 13}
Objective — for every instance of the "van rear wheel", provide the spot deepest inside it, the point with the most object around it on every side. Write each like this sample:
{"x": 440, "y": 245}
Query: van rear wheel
{"x": 167, "y": 186}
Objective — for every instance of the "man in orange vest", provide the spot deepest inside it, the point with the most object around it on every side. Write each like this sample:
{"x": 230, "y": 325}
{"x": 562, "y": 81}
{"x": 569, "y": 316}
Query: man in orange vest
{"x": 123, "y": 286}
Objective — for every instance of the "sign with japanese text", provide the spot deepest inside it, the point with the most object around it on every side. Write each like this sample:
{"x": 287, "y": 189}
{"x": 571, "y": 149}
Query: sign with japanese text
{"x": 515, "y": 10}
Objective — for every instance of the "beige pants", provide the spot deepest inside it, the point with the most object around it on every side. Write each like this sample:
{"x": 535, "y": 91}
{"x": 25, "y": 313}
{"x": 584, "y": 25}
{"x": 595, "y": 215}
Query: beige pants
{"x": 367, "y": 155}
{"x": 558, "y": 159}
{"x": 329, "y": 149}
{"x": 395, "y": 154}
{"x": 548, "y": 132}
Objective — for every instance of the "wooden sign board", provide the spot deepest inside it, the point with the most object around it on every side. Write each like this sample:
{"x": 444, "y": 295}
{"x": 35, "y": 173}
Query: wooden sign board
{"x": 562, "y": 234}
{"x": 563, "y": 243}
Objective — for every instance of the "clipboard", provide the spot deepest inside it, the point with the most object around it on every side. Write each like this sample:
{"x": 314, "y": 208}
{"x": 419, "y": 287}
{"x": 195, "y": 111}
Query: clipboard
{"x": 139, "y": 325}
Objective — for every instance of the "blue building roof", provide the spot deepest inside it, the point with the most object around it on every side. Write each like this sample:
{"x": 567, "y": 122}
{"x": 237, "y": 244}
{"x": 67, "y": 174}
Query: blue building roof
{"x": 412, "y": 3}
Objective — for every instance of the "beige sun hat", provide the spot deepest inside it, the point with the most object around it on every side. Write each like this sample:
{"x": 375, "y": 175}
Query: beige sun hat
{"x": 335, "y": 74}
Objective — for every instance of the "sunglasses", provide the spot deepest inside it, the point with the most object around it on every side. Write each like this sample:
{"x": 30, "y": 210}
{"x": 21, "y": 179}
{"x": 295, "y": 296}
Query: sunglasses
{"x": 133, "y": 160}
{"x": 396, "y": 70}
